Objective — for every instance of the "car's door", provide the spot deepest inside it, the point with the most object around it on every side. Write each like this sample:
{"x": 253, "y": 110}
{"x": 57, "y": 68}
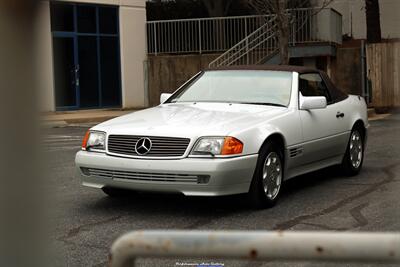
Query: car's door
{"x": 323, "y": 129}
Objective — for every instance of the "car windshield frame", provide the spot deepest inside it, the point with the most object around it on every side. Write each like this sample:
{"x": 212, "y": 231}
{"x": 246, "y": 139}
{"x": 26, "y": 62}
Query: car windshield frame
{"x": 186, "y": 86}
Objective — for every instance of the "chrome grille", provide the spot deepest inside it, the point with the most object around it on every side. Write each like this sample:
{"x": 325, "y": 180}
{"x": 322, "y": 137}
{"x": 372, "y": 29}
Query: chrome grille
{"x": 146, "y": 176}
{"x": 161, "y": 146}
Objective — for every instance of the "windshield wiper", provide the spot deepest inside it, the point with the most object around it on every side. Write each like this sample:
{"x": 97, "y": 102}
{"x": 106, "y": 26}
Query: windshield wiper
{"x": 264, "y": 104}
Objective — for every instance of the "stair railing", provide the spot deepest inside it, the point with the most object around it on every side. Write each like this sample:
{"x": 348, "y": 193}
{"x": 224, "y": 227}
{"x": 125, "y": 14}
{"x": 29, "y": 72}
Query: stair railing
{"x": 262, "y": 44}
{"x": 253, "y": 49}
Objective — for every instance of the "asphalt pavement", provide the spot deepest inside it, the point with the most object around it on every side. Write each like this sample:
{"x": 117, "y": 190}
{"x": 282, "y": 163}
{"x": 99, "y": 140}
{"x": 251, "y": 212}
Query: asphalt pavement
{"x": 86, "y": 222}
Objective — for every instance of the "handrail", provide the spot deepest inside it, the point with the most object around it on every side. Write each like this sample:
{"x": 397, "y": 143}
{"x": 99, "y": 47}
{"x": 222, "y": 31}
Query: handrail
{"x": 262, "y": 38}
{"x": 304, "y": 28}
{"x": 246, "y": 53}
{"x": 257, "y": 245}
{"x": 235, "y": 17}
{"x": 219, "y": 34}
{"x": 208, "y": 18}
{"x": 199, "y": 35}
{"x": 255, "y": 33}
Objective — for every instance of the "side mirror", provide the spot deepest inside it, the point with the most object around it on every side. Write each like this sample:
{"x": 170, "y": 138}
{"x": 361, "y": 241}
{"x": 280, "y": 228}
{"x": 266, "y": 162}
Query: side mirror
{"x": 164, "y": 97}
{"x": 312, "y": 102}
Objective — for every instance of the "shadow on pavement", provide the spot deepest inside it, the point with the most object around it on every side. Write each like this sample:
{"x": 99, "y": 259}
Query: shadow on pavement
{"x": 150, "y": 203}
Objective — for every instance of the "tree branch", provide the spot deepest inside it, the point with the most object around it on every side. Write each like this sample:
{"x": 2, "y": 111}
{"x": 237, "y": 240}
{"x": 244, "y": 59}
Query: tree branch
{"x": 227, "y": 6}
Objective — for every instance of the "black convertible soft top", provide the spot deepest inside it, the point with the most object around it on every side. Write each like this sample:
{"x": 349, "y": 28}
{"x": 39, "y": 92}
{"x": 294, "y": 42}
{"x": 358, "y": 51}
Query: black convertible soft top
{"x": 335, "y": 93}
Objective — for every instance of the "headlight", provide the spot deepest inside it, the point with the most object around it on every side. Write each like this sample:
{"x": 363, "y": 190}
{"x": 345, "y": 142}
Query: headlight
{"x": 217, "y": 146}
{"x": 94, "y": 141}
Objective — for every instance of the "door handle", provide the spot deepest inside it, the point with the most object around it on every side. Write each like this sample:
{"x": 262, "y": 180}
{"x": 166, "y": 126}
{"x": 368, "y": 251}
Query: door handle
{"x": 339, "y": 114}
{"x": 77, "y": 75}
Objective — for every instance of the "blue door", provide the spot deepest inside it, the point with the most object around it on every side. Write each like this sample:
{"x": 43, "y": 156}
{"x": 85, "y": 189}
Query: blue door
{"x": 85, "y": 56}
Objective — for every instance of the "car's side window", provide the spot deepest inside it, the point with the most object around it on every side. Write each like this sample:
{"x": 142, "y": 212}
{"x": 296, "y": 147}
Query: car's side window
{"x": 312, "y": 84}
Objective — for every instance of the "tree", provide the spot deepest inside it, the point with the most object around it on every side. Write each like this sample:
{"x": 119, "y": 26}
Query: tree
{"x": 217, "y": 8}
{"x": 183, "y": 9}
{"x": 284, "y": 18}
{"x": 373, "y": 21}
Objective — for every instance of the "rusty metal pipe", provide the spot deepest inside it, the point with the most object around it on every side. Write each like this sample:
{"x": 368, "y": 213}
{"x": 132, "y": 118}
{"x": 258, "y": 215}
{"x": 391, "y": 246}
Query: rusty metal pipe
{"x": 257, "y": 245}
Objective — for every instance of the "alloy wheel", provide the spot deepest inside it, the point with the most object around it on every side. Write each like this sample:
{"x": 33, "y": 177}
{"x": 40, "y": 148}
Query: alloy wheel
{"x": 272, "y": 175}
{"x": 356, "y": 149}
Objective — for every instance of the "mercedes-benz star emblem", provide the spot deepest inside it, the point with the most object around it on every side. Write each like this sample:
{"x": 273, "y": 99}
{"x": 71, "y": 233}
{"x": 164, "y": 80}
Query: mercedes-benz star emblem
{"x": 143, "y": 146}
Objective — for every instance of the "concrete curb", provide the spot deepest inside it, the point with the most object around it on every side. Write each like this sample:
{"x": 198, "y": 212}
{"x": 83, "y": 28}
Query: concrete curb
{"x": 68, "y": 122}
{"x": 66, "y": 119}
{"x": 90, "y": 120}
{"x": 54, "y": 124}
{"x": 371, "y": 112}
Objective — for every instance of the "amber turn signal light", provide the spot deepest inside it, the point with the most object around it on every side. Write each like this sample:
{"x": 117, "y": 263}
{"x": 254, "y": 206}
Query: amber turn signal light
{"x": 232, "y": 146}
{"x": 85, "y": 139}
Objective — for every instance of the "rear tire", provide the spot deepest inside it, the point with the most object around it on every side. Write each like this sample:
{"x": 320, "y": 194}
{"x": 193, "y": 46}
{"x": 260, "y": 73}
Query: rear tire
{"x": 354, "y": 156}
{"x": 268, "y": 177}
{"x": 116, "y": 192}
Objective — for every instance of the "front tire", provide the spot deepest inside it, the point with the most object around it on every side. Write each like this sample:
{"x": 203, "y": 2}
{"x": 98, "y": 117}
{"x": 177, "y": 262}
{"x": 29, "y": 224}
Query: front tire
{"x": 354, "y": 157}
{"x": 268, "y": 176}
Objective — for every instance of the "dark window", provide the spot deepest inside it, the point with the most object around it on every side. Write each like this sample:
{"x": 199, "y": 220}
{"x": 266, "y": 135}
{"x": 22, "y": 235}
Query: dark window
{"x": 108, "y": 20}
{"x": 62, "y": 17}
{"x": 86, "y": 19}
{"x": 64, "y": 72}
{"x": 311, "y": 84}
{"x": 109, "y": 71}
{"x": 336, "y": 94}
{"x": 86, "y": 55}
{"x": 88, "y": 75}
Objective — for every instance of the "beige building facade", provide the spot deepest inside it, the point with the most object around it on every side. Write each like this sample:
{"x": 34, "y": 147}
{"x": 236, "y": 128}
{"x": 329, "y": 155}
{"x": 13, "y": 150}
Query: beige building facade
{"x": 91, "y": 54}
{"x": 354, "y": 21}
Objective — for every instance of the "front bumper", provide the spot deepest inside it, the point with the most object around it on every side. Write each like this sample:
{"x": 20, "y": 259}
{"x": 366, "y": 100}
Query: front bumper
{"x": 219, "y": 176}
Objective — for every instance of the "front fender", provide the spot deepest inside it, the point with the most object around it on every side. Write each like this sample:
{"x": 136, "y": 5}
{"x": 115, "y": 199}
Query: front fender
{"x": 287, "y": 125}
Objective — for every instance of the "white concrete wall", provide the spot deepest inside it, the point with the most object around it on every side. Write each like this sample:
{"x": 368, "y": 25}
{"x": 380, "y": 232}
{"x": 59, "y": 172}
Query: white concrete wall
{"x": 390, "y": 18}
{"x": 354, "y": 21}
{"x": 133, "y": 55}
{"x": 328, "y": 26}
{"x": 132, "y": 22}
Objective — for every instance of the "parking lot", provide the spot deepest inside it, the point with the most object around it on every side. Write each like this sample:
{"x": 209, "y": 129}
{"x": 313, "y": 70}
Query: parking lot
{"x": 87, "y": 221}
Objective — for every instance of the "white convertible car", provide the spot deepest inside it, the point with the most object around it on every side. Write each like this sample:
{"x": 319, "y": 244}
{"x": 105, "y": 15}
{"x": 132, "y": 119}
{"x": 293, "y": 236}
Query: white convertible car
{"x": 229, "y": 131}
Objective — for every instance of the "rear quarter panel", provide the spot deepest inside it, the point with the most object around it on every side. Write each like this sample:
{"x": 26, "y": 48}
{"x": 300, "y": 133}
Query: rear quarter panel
{"x": 356, "y": 110}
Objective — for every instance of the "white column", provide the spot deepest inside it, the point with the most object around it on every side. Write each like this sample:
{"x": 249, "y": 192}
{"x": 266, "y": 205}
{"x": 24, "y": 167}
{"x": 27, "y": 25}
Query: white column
{"x": 44, "y": 57}
{"x": 132, "y": 15}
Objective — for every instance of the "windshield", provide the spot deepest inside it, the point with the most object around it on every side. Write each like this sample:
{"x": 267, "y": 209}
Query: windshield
{"x": 238, "y": 86}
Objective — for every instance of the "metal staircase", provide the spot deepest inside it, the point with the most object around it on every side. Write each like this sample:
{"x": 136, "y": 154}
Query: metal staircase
{"x": 253, "y": 49}
{"x": 247, "y": 39}
{"x": 262, "y": 44}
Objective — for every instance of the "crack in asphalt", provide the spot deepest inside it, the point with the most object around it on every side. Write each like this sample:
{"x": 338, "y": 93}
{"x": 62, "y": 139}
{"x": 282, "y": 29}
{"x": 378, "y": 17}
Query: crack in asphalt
{"x": 204, "y": 221}
{"x": 354, "y": 212}
{"x": 85, "y": 227}
{"x": 374, "y": 187}
{"x": 358, "y": 216}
